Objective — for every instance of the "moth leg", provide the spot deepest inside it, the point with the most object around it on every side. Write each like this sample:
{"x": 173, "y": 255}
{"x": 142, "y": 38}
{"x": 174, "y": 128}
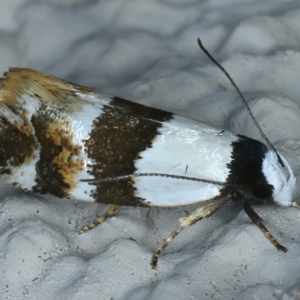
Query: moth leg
{"x": 257, "y": 220}
{"x": 110, "y": 211}
{"x": 295, "y": 204}
{"x": 200, "y": 213}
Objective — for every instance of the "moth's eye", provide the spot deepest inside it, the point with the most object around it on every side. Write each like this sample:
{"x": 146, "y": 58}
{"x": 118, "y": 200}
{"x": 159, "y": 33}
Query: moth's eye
{"x": 263, "y": 191}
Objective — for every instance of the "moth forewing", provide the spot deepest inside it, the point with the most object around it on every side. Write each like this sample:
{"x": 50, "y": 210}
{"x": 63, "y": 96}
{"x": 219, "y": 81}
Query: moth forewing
{"x": 72, "y": 141}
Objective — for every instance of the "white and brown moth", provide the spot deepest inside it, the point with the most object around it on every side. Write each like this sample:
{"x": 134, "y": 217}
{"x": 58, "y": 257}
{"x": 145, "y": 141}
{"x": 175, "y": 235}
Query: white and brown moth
{"x": 72, "y": 141}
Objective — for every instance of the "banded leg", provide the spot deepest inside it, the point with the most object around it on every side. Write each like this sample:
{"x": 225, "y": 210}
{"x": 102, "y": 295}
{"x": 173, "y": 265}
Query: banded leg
{"x": 257, "y": 220}
{"x": 110, "y": 211}
{"x": 295, "y": 204}
{"x": 200, "y": 213}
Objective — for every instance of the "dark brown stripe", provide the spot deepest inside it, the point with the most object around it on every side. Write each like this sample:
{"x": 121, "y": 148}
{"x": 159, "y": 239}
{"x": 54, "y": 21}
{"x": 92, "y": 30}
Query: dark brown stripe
{"x": 17, "y": 145}
{"x": 246, "y": 167}
{"x": 119, "y": 135}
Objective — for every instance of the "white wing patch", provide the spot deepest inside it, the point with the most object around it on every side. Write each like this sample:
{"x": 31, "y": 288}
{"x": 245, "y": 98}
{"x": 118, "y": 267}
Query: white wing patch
{"x": 185, "y": 148}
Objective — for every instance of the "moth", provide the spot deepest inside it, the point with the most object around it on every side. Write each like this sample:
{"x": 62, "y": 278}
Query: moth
{"x": 72, "y": 141}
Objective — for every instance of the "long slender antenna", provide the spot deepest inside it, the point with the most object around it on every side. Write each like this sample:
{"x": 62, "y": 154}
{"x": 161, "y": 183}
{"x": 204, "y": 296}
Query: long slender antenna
{"x": 241, "y": 96}
{"x": 136, "y": 175}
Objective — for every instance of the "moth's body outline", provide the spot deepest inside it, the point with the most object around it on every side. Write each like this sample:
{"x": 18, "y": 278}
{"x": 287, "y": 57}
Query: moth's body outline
{"x": 75, "y": 138}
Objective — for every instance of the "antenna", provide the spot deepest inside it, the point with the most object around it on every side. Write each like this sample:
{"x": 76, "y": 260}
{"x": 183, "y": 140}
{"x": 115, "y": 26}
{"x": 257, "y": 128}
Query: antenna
{"x": 241, "y": 96}
{"x": 136, "y": 175}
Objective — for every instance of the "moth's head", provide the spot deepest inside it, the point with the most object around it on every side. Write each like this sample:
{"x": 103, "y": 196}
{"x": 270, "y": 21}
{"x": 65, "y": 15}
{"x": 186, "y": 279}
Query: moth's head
{"x": 280, "y": 177}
